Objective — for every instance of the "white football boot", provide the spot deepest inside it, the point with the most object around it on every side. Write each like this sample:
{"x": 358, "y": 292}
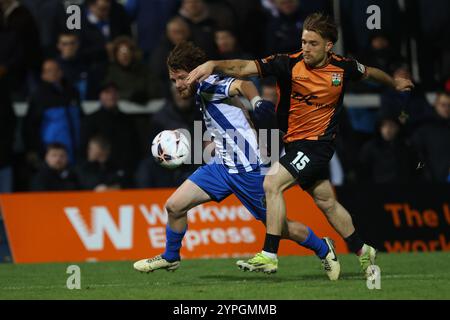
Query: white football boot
{"x": 331, "y": 263}
{"x": 156, "y": 263}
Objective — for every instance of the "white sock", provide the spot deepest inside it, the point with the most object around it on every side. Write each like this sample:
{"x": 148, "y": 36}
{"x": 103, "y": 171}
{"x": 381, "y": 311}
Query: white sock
{"x": 269, "y": 254}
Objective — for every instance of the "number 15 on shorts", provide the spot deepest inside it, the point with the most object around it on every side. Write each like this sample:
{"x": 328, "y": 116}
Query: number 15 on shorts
{"x": 300, "y": 161}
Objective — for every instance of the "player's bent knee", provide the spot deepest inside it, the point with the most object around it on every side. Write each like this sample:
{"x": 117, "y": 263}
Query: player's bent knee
{"x": 173, "y": 209}
{"x": 271, "y": 186}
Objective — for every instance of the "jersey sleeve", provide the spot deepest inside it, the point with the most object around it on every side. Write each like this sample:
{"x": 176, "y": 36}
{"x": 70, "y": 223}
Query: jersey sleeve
{"x": 216, "y": 88}
{"x": 275, "y": 65}
{"x": 354, "y": 70}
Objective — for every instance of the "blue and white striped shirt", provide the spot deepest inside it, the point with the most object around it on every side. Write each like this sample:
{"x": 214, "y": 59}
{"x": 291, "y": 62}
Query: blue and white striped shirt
{"x": 234, "y": 136}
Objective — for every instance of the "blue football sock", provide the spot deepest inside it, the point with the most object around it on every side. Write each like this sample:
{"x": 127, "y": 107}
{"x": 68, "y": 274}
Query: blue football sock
{"x": 173, "y": 244}
{"x": 316, "y": 244}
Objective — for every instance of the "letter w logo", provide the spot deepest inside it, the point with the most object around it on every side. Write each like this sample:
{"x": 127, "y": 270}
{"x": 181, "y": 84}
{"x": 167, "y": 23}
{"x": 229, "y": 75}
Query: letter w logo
{"x": 101, "y": 222}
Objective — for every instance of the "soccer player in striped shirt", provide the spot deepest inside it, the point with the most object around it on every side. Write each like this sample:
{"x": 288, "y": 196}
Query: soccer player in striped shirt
{"x": 235, "y": 168}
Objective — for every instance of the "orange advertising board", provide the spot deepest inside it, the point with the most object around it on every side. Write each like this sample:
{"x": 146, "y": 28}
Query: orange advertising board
{"x": 130, "y": 225}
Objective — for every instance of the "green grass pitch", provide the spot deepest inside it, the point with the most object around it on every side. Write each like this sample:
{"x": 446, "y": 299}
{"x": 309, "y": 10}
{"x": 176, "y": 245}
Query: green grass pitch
{"x": 404, "y": 276}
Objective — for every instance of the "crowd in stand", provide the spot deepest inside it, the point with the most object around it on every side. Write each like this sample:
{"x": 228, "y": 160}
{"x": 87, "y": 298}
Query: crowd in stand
{"x": 120, "y": 53}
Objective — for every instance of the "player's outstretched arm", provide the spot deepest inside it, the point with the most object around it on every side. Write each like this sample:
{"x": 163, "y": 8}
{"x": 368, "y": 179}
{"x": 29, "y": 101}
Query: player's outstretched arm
{"x": 234, "y": 68}
{"x": 399, "y": 84}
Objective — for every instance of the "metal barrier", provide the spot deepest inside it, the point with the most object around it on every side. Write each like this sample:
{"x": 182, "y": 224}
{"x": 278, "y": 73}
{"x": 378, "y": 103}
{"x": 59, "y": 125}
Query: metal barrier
{"x": 350, "y": 101}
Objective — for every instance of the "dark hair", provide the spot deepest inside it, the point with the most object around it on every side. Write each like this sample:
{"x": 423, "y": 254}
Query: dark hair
{"x": 178, "y": 19}
{"x": 440, "y": 93}
{"x": 130, "y": 43}
{"x": 50, "y": 59}
{"x": 102, "y": 141}
{"x": 56, "y": 146}
{"x": 186, "y": 56}
{"x": 379, "y": 34}
{"x": 106, "y": 85}
{"x": 226, "y": 29}
{"x": 68, "y": 33}
{"x": 323, "y": 25}
{"x": 90, "y": 2}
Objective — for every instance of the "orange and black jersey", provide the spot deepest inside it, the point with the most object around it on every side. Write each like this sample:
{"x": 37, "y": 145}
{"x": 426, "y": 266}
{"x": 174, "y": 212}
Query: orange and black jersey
{"x": 310, "y": 99}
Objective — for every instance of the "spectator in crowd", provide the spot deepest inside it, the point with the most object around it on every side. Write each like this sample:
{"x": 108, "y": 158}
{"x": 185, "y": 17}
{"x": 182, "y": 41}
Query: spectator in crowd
{"x": 150, "y": 174}
{"x": 50, "y": 17}
{"x": 348, "y": 144}
{"x": 102, "y": 21}
{"x": 18, "y": 19}
{"x": 196, "y": 14}
{"x": 433, "y": 40}
{"x": 54, "y": 114}
{"x": 101, "y": 57}
{"x": 283, "y": 31}
{"x": 98, "y": 173}
{"x": 251, "y": 18}
{"x": 228, "y": 46}
{"x": 151, "y": 18}
{"x": 74, "y": 67}
{"x": 133, "y": 78}
{"x": 222, "y": 13}
{"x": 411, "y": 107}
{"x": 387, "y": 158}
{"x": 177, "y": 113}
{"x": 380, "y": 54}
{"x": 177, "y": 31}
{"x": 10, "y": 54}
{"x": 55, "y": 174}
{"x": 432, "y": 141}
{"x": 270, "y": 7}
{"x": 354, "y": 17}
{"x": 115, "y": 126}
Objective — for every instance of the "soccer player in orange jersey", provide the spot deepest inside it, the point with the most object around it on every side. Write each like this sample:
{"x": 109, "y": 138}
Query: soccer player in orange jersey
{"x": 311, "y": 85}
{"x": 235, "y": 170}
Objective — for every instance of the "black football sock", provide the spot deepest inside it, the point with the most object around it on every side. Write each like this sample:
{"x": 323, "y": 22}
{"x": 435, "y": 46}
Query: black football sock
{"x": 271, "y": 243}
{"x": 354, "y": 243}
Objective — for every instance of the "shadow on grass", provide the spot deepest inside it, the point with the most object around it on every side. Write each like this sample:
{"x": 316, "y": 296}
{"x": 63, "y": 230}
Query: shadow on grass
{"x": 273, "y": 278}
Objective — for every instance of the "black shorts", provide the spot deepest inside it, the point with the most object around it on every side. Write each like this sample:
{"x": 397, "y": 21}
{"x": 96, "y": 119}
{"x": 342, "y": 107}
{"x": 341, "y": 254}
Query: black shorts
{"x": 308, "y": 161}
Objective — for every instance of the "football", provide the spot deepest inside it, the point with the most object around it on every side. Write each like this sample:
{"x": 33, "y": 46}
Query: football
{"x": 170, "y": 148}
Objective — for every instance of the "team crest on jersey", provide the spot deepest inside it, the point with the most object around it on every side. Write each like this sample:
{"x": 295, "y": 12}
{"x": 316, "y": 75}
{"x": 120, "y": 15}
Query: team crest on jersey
{"x": 336, "y": 79}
